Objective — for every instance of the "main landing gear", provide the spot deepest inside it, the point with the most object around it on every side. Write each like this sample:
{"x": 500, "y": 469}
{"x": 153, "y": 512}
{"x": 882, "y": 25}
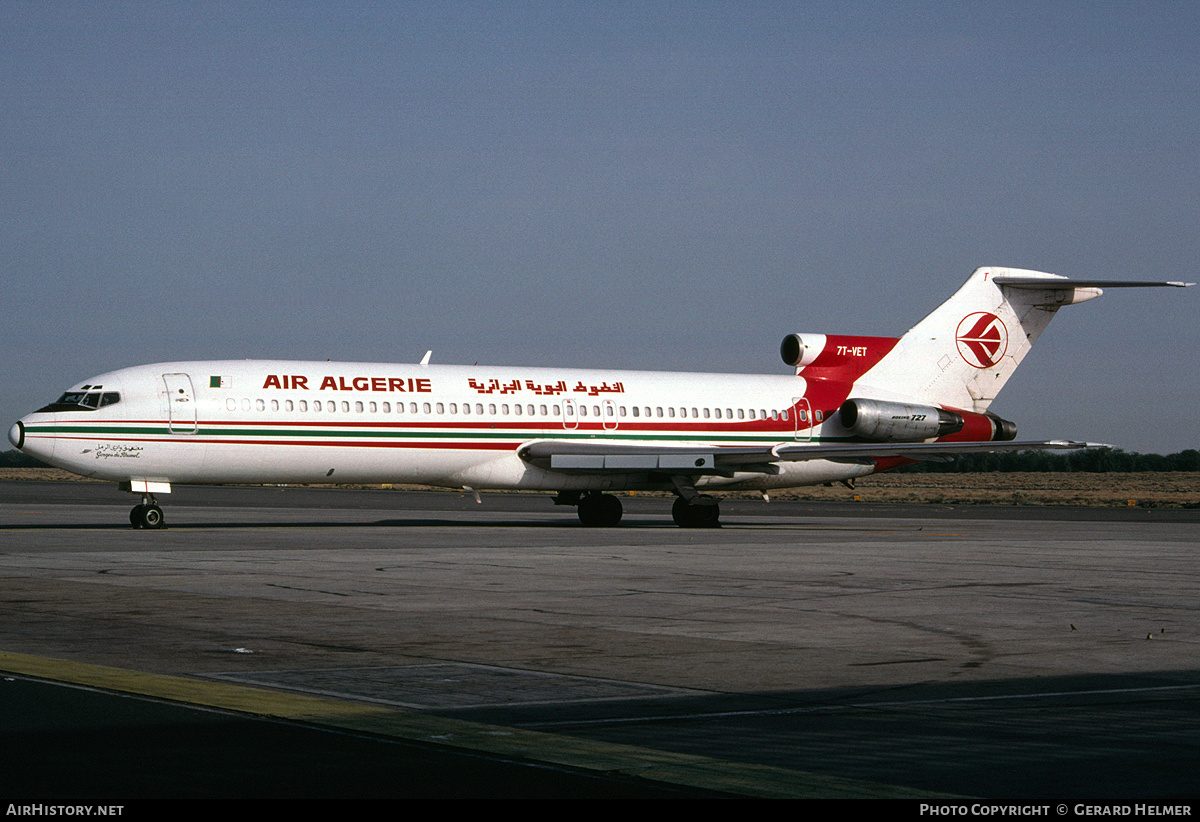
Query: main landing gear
{"x": 597, "y": 510}
{"x": 701, "y": 511}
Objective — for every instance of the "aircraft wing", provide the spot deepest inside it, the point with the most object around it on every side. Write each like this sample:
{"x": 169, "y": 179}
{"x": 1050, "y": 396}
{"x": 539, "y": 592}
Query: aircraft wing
{"x": 600, "y": 457}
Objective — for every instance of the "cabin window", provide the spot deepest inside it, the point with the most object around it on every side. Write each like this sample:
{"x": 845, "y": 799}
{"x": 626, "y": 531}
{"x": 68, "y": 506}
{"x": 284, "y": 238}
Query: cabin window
{"x": 441, "y": 408}
{"x": 358, "y": 406}
{"x": 453, "y": 408}
{"x": 274, "y": 405}
{"x": 373, "y": 407}
{"x": 412, "y": 408}
{"x": 231, "y": 404}
{"x": 635, "y": 411}
{"x": 583, "y": 410}
{"x": 426, "y": 408}
{"x": 706, "y": 413}
{"x": 517, "y": 409}
{"x": 492, "y": 408}
{"x": 345, "y": 406}
{"x": 542, "y": 409}
{"x": 288, "y": 405}
{"x": 303, "y": 405}
{"x": 478, "y": 408}
{"x": 556, "y": 411}
{"x": 387, "y": 408}
{"x": 742, "y": 413}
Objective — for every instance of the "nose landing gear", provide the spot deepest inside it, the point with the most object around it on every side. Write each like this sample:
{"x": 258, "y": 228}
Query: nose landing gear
{"x": 146, "y": 515}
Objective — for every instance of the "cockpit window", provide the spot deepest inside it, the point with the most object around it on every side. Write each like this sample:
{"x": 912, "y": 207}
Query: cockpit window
{"x": 83, "y": 401}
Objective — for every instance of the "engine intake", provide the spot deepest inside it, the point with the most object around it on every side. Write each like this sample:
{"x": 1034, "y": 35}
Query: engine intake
{"x": 897, "y": 422}
{"x": 798, "y": 351}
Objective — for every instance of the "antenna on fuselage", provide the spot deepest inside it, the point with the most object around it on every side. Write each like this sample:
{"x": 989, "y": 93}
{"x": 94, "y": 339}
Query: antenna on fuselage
{"x": 425, "y": 359}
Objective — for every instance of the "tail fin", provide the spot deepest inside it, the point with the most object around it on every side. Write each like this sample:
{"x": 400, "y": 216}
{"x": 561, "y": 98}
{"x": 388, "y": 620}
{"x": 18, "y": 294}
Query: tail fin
{"x": 963, "y": 353}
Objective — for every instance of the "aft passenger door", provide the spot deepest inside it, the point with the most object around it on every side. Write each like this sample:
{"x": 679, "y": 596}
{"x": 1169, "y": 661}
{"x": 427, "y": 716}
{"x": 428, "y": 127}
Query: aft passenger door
{"x": 181, "y": 404}
{"x": 610, "y": 420}
{"x": 804, "y": 420}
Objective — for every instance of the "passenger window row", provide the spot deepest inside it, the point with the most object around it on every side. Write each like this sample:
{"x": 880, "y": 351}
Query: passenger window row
{"x": 568, "y": 410}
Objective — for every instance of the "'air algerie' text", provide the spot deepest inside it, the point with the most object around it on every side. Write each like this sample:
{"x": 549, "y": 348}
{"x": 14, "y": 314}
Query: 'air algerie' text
{"x": 299, "y": 382}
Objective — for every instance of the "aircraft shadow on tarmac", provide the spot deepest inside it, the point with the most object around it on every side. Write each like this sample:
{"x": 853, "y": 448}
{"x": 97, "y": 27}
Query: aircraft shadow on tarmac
{"x": 424, "y": 522}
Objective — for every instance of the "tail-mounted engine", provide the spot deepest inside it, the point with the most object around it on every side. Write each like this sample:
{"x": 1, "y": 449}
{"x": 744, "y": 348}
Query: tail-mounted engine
{"x": 882, "y": 421}
{"x": 800, "y": 350}
{"x": 897, "y": 422}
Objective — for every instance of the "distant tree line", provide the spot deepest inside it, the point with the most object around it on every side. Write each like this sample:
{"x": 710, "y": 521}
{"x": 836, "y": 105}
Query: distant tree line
{"x": 1096, "y": 460}
{"x": 15, "y": 459}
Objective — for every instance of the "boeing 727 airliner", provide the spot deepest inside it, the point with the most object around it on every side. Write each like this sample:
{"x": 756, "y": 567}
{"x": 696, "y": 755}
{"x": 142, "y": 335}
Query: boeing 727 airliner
{"x": 853, "y": 406}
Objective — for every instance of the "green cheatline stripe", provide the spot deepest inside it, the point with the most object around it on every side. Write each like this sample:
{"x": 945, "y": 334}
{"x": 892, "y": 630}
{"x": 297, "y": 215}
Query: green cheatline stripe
{"x": 736, "y": 778}
{"x": 442, "y": 434}
{"x": 95, "y": 429}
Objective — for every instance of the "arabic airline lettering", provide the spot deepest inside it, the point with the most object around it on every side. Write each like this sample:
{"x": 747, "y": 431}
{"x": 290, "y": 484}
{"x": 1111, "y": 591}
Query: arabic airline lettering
{"x": 852, "y": 406}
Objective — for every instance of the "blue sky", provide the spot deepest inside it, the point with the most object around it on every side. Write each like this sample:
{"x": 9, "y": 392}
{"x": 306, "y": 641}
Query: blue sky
{"x": 637, "y": 185}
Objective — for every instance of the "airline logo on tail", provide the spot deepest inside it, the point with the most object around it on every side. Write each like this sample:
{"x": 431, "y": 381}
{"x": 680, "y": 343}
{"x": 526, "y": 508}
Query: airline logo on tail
{"x": 982, "y": 339}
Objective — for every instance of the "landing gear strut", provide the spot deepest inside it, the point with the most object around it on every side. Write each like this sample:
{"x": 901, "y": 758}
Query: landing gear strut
{"x": 598, "y": 510}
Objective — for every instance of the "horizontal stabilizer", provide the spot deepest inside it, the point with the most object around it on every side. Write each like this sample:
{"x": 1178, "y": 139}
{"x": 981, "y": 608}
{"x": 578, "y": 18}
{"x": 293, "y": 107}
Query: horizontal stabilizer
{"x": 1042, "y": 283}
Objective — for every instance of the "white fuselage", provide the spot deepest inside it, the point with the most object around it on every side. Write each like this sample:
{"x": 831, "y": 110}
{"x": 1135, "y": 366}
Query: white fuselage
{"x": 452, "y": 426}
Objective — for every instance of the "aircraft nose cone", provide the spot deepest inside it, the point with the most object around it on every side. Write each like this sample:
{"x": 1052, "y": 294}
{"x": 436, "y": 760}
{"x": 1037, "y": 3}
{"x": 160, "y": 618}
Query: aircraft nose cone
{"x": 16, "y": 434}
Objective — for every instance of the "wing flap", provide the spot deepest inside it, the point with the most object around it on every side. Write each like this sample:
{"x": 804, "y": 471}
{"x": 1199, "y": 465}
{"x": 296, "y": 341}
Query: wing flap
{"x": 572, "y": 456}
{"x": 599, "y": 456}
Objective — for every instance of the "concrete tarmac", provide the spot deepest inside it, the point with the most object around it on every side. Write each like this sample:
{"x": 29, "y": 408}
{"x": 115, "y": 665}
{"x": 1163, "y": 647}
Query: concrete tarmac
{"x": 802, "y": 649}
